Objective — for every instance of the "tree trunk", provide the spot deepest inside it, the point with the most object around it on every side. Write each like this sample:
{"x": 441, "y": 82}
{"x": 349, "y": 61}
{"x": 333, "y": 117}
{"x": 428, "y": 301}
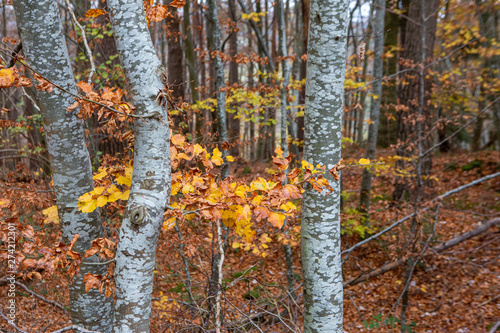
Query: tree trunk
{"x": 378, "y": 64}
{"x": 45, "y": 49}
{"x": 143, "y": 217}
{"x": 410, "y": 93}
{"x": 234, "y": 122}
{"x": 189, "y": 51}
{"x": 387, "y": 129}
{"x": 174, "y": 61}
{"x": 321, "y": 260}
{"x": 215, "y": 32}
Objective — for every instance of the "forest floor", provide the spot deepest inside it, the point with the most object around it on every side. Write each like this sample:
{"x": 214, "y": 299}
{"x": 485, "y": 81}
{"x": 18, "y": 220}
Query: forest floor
{"x": 452, "y": 291}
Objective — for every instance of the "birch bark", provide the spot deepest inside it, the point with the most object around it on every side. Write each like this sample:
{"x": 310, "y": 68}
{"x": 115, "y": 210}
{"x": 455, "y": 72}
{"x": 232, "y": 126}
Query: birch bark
{"x": 45, "y": 49}
{"x": 140, "y": 228}
{"x": 321, "y": 260}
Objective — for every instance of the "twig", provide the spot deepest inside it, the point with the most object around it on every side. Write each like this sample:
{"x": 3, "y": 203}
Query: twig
{"x": 84, "y": 37}
{"x": 11, "y": 323}
{"x": 15, "y": 51}
{"x": 97, "y": 263}
{"x": 395, "y": 224}
{"x": 25, "y": 189}
{"x": 53, "y": 303}
{"x": 244, "y": 314}
{"x": 452, "y": 242}
{"x": 494, "y": 327}
{"x": 83, "y": 98}
{"x": 186, "y": 266}
{"x": 461, "y": 128}
{"x": 411, "y": 69}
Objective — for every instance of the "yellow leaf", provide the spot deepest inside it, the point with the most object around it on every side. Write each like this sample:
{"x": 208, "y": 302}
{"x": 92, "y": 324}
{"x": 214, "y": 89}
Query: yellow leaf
{"x": 257, "y": 200}
{"x": 278, "y": 152}
{"x": 259, "y": 184}
{"x": 187, "y": 188}
{"x": 51, "y": 215}
{"x": 99, "y": 190}
{"x": 114, "y": 196}
{"x": 307, "y": 165}
{"x": 87, "y": 197}
{"x": 288, "y": 206}
{"x": 236, "y": 245}
{"x": 217, "y": 157}
{"x": 198, "y": 149}
{"x": 101, "y": 201}
{"x": 175, "y": 188}
{"x": 112, "y": 189}
{"x": 364, "y": 161}
{"x": 6, "y": 78}
{"x": 125, "y": 195}
{"x": 244, "y": 213}
{"x": 89, "y": 207}
{"x": 123, "y": 181}
{"x": 169, "y": 223}
{"x": 100, "y": 175}
{"x": 241, "y": 191}
{"x": 230, "y": 158}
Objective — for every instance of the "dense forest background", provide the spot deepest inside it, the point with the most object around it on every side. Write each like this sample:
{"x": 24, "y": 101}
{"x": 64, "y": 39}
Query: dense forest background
{"x": 420, "y": 197}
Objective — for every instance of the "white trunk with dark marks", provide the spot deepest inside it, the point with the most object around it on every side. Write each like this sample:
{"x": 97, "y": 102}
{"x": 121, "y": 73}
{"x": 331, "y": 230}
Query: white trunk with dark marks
{"x": 321, "y": 260}
{"x": 45, "y": 49}
{"x": 135, "y": 256}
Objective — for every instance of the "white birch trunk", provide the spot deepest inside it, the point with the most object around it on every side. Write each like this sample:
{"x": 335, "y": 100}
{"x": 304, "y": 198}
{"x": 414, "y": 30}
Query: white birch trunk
{"x": 45, "y": 49}
{"x": 321, "y": 260}
{"x": 135, "y": 256}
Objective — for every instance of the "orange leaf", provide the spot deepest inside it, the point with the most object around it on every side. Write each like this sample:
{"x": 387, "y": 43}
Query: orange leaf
{"x": 177, "y": 3}
{"x": 261, "y": 213}
{"x": 158, "y": 13}
{"x": 178, "y": 139}
{"x": 277, "y": 219}
{"x": 95, "y": 13}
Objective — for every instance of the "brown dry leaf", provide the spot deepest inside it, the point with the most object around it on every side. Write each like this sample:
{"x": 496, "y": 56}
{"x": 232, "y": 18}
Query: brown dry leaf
{"x": 177, "y": 3}
{"x": 44, "y": 84}
{"x": 158, "y": 13}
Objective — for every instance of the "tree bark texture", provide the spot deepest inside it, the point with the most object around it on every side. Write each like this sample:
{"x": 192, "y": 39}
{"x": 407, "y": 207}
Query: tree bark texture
{"x": 371, "y": 145}
{"x": 190, "y": 55}
{"x": 215, "y": 49}
{"x": 409, "y": 94}
{"x": 213, "y": 17}
{"x": 321, "y": 260}
{"x": 45, "y": 49}
{"x": 140, "y": 228}
{"x": 174, "y": 61}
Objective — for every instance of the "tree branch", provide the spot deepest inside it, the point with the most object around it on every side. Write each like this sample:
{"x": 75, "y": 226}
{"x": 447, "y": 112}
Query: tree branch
{"x": 404, "y": 219}
{"x": 450, "y": 243}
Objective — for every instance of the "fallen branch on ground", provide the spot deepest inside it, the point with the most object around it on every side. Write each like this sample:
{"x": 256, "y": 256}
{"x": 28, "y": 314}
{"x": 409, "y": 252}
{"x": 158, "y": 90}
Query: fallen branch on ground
{"x": 452, "y": 242}
{"x": 404, "y": 219}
